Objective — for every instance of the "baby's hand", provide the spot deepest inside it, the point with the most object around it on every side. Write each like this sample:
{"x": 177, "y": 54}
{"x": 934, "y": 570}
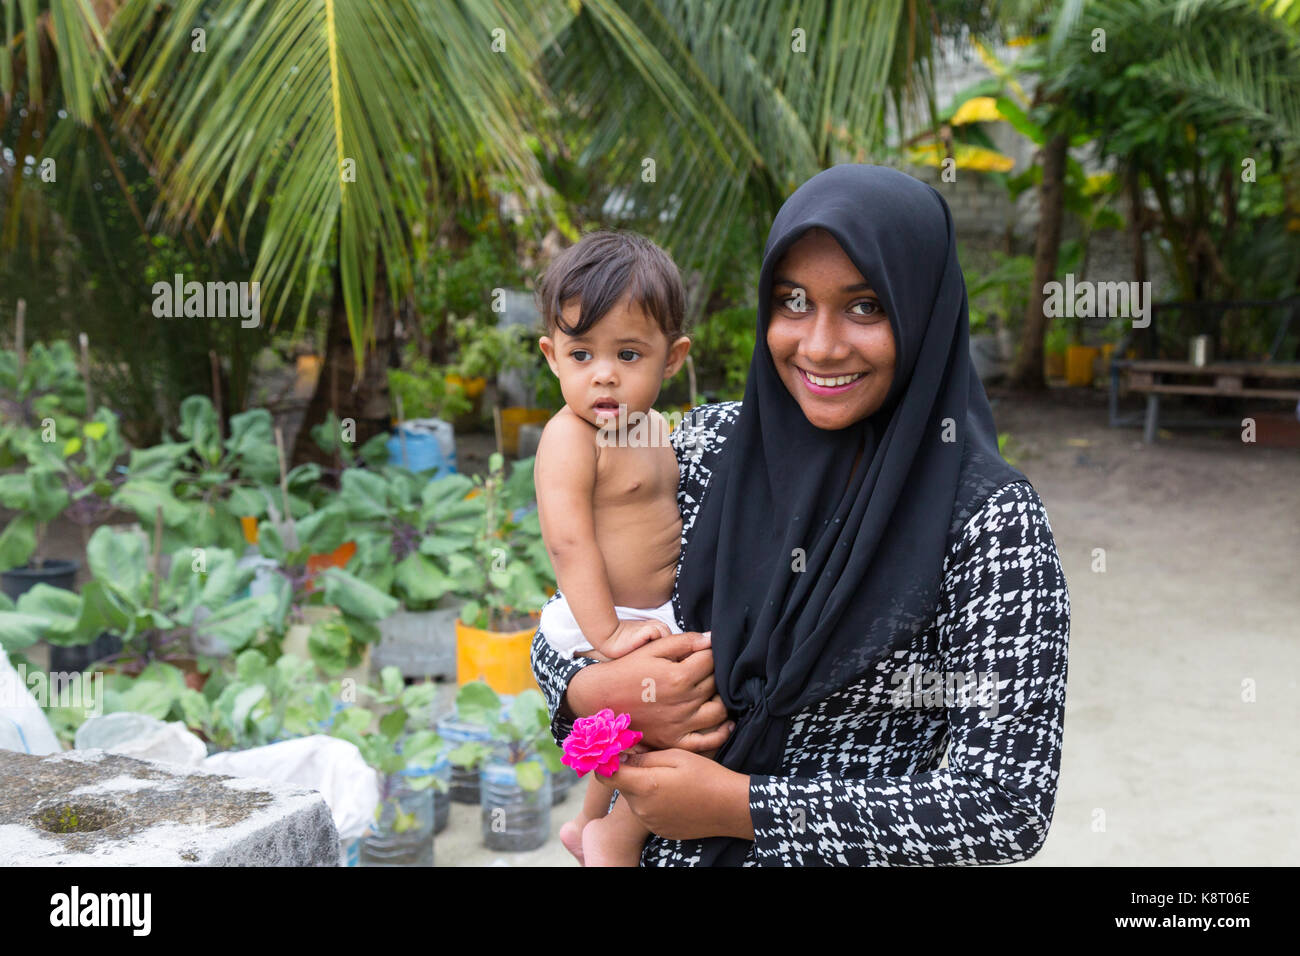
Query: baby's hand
{"x": 629, "y": 635}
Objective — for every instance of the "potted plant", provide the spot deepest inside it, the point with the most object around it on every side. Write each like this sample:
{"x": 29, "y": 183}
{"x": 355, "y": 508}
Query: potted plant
{"x": 205, "y": 485}
{"x": 391, "y": 731}
{"x": 415, "y": 541}
{"x": 172, "y": 616}
{"x": 508, "y": 583}
{"x": 74, "y": 478}
{"x": 321, "y": 612}
{"x": 37, "y": 389}
{"x": 515, "y": 766}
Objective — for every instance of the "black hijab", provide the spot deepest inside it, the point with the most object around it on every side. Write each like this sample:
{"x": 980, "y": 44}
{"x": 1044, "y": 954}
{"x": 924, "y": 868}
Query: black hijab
{"x": 874, "y": 547}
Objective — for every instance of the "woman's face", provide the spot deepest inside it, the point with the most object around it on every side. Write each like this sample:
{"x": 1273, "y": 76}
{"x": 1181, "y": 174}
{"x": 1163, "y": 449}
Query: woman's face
{"x": 829, "y": 335}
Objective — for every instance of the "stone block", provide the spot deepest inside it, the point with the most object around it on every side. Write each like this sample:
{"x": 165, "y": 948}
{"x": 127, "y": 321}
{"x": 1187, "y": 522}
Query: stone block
{"x": 93, "y": 808}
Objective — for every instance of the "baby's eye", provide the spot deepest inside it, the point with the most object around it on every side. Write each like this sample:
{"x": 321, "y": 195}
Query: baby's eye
{"x": 629, "y": 355}
{"x": 579, "y": 355}
{"x": 872, "y": 305}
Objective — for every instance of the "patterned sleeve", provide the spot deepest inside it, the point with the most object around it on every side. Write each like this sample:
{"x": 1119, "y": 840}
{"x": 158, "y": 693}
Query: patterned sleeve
{"x": 699, "y": 435}
{"x": 553, "y": 673}
{"x": 1003, "y": 621}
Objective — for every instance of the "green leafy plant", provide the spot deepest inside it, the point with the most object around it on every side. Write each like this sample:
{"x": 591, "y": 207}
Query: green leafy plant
{"x": 260, "y": 702}
{"x": 74, "y": 477}
{"x": 332, "y": 439}
{"x": 511, "y": 569}
{"x": 203, "y": 485}
{"x": 391, "y": 730}
{"x": 158, "y": 616}
{"x": 335, "y": 641}
{"x": 424, "y": 391}
{"x": 45, "y": 386}
{"x": 521, "y": 736}
{"x": 415, "y": 538}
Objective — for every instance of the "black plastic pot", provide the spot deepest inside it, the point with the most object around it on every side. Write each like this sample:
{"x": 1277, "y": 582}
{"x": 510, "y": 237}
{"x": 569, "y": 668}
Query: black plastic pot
{"x": 81, "y": 656}
{"x": 57, "y": 573}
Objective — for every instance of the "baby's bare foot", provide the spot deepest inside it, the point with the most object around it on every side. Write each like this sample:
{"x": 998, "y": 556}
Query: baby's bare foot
{"x": 571, "y": 837}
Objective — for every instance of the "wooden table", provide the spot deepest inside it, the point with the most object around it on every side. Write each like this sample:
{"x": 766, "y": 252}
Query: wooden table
{"x": 1156, "y": 377}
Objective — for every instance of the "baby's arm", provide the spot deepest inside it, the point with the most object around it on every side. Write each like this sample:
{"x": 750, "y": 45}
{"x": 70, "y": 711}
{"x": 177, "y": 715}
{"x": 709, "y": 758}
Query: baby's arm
{"x": 564, "y": 475}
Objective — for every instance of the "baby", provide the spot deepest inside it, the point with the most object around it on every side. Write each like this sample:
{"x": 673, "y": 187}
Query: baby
{"x": 606, "y": 476}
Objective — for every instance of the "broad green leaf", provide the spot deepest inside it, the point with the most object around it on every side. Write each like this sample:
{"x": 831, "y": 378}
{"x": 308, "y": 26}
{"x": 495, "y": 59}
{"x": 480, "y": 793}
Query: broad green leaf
{"x": 420, "y": 580}
{"x": 529, "y": 775}
{"x": 354, "y": 596}
{"x": 17, "y": 542}
{"x": 477, "y": 703}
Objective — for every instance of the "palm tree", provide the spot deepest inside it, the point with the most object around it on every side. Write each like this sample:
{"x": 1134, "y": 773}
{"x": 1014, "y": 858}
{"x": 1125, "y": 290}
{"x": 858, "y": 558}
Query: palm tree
{"x": 347, "y": 124}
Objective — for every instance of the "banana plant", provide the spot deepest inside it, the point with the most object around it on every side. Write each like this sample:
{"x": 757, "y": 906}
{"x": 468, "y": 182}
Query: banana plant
{"x": 415, "y": 538}
{"x": 73, "y": 477}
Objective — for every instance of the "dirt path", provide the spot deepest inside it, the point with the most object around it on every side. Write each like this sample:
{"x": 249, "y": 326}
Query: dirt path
{"x": 1164, "y": 762}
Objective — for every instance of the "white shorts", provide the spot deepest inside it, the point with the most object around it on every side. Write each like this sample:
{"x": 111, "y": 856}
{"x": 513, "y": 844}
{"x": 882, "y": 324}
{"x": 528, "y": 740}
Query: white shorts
{"x": 565, "y": 637}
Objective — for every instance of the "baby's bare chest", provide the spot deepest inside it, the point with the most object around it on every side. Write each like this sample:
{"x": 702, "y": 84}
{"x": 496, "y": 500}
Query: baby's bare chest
{"x": 636, "y": 476}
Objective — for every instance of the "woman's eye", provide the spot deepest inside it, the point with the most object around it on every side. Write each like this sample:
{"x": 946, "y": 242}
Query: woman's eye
{"x": 796, "y": 302}
{"x": 629, "y": 355}
{"x": 870, "y": 304}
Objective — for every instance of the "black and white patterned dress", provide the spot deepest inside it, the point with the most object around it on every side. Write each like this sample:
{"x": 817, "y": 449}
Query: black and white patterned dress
{"x": 860, "y": 781}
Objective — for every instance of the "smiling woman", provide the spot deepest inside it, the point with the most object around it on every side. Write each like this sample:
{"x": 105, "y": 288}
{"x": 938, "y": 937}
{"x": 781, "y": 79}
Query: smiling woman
{"x": 848, "y": 528}
{"x": 828, "y": 334}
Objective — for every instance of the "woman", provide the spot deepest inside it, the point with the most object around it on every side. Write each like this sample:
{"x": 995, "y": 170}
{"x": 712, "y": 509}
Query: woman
{"x": 881, "y": 586}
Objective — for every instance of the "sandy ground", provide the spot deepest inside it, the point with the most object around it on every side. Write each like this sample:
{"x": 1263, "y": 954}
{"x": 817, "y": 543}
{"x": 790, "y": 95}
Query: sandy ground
{"x": 1167, "y": 759}
{"x": 1180, "y": 742}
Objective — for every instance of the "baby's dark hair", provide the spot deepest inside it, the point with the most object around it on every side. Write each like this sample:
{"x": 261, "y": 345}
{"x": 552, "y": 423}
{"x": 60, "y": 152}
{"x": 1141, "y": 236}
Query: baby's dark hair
{"x": 600, "y": 269}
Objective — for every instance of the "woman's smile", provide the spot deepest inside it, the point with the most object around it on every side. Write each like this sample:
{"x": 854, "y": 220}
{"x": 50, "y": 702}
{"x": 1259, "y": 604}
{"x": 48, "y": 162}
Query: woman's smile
{"x": 829, "y": 384}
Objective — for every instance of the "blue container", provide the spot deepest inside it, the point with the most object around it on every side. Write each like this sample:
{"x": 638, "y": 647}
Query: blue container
{"x": 464, "y": 783}
{"x": 424, "y": 452}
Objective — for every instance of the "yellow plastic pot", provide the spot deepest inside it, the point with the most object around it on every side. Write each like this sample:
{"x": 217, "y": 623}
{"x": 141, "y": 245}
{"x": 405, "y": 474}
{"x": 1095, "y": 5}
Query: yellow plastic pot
{"x": 473, "y": 386}
{"x": 498, "y": 658}
{"x": 1054, "y": 365}
{"x": 513, "y": 418}
{"x": 1078, "y": 364}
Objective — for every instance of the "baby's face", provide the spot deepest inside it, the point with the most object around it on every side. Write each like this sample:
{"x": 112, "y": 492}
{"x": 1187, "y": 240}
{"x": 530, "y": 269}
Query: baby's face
{"x": 617, "y": 367}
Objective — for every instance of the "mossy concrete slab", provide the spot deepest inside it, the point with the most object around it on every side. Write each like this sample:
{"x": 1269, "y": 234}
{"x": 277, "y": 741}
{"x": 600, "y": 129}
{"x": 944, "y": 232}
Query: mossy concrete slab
{"x": 92, "y": 808}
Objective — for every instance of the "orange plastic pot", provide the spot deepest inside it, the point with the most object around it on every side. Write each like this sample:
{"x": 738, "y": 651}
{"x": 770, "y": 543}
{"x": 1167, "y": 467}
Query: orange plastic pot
{"x": 498, "y": 658}
{"x": 248, "y": 524}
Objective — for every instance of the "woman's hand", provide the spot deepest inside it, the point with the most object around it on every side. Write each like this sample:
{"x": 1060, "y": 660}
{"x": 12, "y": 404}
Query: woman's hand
{"x": 667, "y": 687}
{"x": 680, "y": 795}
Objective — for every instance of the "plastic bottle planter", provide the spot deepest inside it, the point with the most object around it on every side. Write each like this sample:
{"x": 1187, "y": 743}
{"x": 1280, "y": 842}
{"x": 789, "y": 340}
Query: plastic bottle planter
{"x": 562, "y": 783}
{"x": 441, "y": 796}
{"x": 514, "y": 819}
{"x": 464, "y": 786}
{"x": 350, "y": 852}
{"x": 404, "y": 830}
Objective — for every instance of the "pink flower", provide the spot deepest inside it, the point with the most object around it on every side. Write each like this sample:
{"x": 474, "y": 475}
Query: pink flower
{"x": 596, "y": 742}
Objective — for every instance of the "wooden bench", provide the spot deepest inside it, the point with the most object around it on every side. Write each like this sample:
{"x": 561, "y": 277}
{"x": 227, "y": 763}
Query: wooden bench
{"x": 1156, "y": 377}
